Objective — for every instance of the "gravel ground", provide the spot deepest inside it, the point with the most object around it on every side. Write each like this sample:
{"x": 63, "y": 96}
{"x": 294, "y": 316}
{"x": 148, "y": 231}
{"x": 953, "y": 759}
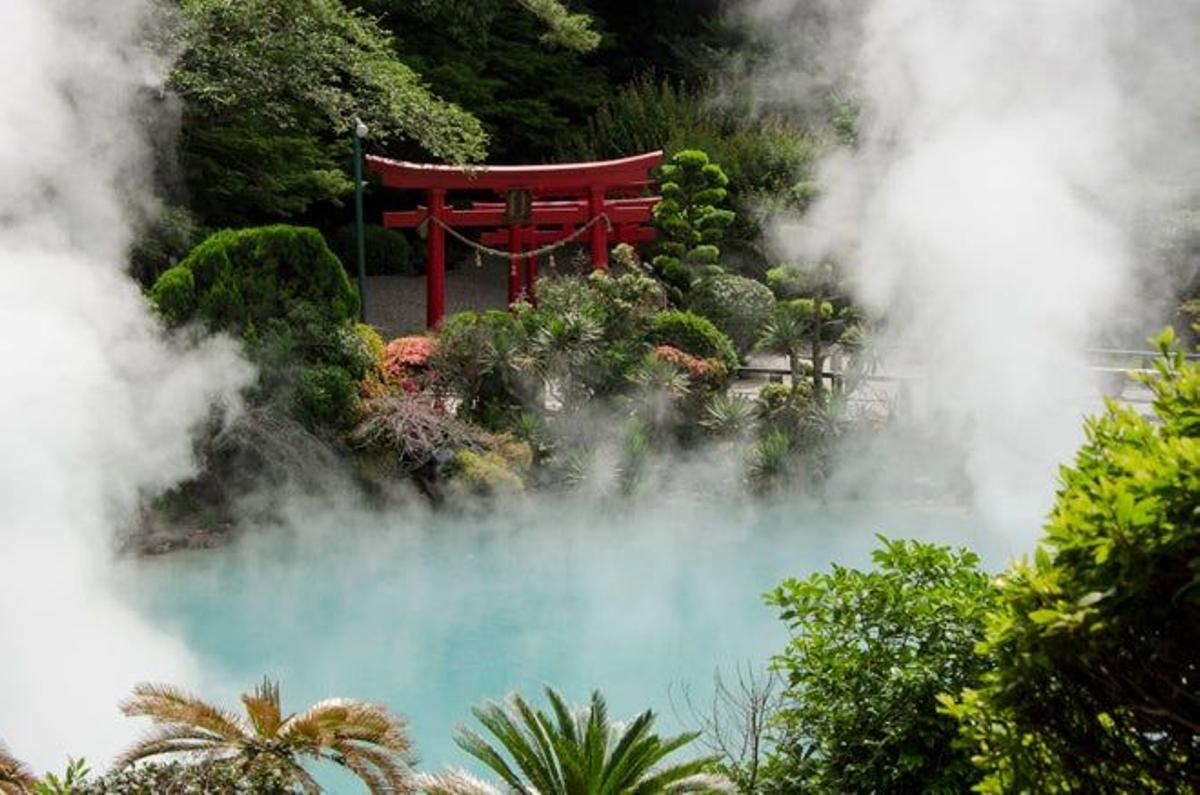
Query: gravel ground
{"x": 396, "y": 304}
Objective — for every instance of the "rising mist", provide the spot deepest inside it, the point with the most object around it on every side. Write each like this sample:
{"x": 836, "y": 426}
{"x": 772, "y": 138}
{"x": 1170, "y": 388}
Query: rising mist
{"x": 97, "y": 407}
{"x": 989, "y": 207}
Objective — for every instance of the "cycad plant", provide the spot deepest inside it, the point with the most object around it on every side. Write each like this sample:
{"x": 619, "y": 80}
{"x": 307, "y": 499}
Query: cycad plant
{"x": 15, "y": 777}
{"x": 562, "y": 351}
{"x": 364, "y": 738}
{"x": 728, "y": 415}
{"x": 573, "y": 752}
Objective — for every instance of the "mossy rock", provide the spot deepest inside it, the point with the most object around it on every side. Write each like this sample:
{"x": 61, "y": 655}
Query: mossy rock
{"x": 486, "y": 473}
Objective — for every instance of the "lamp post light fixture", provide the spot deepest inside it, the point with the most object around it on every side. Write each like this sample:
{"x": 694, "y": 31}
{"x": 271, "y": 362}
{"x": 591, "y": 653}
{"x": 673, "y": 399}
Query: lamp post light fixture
{"x": 360, "y": 132}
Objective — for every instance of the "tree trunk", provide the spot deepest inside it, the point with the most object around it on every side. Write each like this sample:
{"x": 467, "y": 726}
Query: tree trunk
{"x": 818, "y": 364}
{"x": 797, "y": 370}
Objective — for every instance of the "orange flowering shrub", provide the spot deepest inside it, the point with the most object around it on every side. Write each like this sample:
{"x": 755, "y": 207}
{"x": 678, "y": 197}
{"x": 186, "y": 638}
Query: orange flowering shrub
{"x": 405, "y": 353}
{"x": 696, "y": 368}
{"x": 404, "y": 360}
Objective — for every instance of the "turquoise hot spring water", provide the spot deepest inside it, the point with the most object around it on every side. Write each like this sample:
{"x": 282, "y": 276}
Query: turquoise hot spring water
{"x": 431, "y": 614}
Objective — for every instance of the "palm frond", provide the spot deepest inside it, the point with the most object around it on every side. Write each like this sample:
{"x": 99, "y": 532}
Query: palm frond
{"x": 564, "y": 714}
{"x": 166, "y": 704}
{"x": 624, "y": 757}
{"x": 145, "y": 749}
{"x": 365, "y": 738}
{"x": 497, "y": 720}
{"x": 15, "y": 776}
{"x": 340, "y": 719}
{"x": 176, "y": 739}
{"x": 452, "y": 782}
{"x": 482, "y": 750}
{"x": 263, "y": 708}
{"x": 382, "y": 771}
{"x": 567, "y": 741}
{"x": 366, "y": 773}
{"x": 706, "y": 783}
{"x": 667, "y": 777}
{"x": 595, "y": 740}
{"x": 574, "y": 752}
{"x": 541, "y": 732}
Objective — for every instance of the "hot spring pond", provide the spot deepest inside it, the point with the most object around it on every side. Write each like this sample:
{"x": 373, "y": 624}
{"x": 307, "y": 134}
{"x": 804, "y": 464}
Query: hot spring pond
{"x": 432, "y": 614}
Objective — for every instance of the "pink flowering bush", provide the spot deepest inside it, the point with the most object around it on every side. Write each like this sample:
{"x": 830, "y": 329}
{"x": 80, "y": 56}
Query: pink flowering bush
{"x": 405, "y": 360}
{"x": 697, "y": 369}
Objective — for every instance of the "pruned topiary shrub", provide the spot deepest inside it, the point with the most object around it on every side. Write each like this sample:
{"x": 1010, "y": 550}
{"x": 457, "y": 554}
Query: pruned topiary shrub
{"x": 242, "y": 278}
{"x": 738, "y": 306}
{"x": 174, "y": 294}
{"x": 693, "y": 334}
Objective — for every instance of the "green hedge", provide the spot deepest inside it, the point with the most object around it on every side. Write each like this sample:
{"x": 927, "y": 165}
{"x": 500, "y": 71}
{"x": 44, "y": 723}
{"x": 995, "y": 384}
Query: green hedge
{"x": 240, "y": 279}
{"x": 692, "y": 334}
{"x": 388, "y": 252}
{"x": 326, "y": 395}
{"x": 738, "y": 306}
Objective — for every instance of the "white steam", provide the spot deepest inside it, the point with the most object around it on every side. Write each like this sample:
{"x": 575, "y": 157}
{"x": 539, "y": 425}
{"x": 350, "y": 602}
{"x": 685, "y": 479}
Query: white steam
{"x": 96, "y": 408}
{"x": 986, "y": 212}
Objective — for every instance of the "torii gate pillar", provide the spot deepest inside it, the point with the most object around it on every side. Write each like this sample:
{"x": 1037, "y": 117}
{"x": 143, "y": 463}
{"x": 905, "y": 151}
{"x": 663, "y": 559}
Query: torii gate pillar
{"x": 435, "y": 267}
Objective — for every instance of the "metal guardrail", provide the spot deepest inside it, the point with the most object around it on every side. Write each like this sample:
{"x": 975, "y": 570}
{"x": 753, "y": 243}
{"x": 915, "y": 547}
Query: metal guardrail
{"x": 1132, "y": 354}
{"x": 1144, "y": 356}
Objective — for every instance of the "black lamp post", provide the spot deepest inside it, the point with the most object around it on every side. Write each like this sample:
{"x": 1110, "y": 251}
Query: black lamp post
{"x": 360, "y": 132}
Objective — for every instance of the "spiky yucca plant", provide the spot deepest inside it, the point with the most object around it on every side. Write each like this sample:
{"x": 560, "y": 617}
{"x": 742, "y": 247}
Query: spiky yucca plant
{"x": 364, "y": 738}
{"x": 573, "y": 752}
{"x": 15, "y": 777}
{"x": 728, "y": 414}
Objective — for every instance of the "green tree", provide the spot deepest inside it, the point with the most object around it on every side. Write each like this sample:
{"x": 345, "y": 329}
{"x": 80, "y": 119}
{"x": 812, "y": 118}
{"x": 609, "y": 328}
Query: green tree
{"x": 1097, "y": 639}
{"x": 271, "y": 89}
{"x": 685, "y": 40}
{"x": 768, "y": 159}
{"x": 869, "y": 654}
{"x": 364, "y": 738}
{"x": 574, "y": 752}
{"x": 689, "y": 219}
{"x": 738, "y": 306}
{"x": 71, "y": 782}
{"x": 809, "y": 326}
{"x": 565, "y": 28}
{"x": 510, "y": 69}
{"x": 561, "y": 27}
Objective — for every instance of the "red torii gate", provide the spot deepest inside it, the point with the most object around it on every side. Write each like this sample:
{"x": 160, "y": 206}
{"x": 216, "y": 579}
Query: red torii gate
{"x": 543, "y": 205}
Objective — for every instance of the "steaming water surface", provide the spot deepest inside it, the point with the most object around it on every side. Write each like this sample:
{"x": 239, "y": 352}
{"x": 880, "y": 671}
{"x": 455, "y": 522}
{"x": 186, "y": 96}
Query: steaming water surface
{"x": 433, "y": 615}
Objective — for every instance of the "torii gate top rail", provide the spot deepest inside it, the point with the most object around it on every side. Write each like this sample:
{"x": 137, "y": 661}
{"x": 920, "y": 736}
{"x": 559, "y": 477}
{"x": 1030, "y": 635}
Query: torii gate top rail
{"x": 562, "y": 197}
{"x": 563, "y": 176}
